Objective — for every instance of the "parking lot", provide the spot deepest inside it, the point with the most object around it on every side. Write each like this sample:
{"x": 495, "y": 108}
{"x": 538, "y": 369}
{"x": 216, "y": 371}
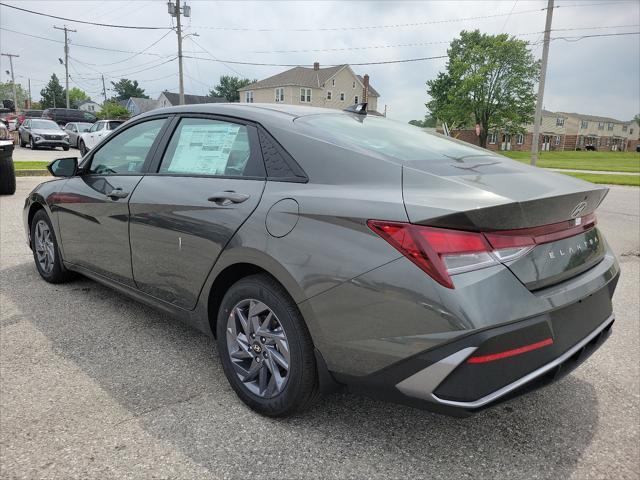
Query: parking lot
{"x": 25, "y": 154}
{"x": 95, "y": 385}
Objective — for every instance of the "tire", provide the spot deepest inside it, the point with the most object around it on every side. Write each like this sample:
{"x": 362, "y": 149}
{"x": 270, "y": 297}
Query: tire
{"x": 299, "y": 382}
{"x": 45, "y": 244}
{"x": 82, "y": 148}
{"x": 66, "y": 149}
{"x": 22, "y": 143}
{"x": 32, "y": 144}
{"x": 7, "y": 176}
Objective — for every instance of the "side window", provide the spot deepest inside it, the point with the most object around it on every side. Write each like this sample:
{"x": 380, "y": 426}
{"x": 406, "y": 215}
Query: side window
{"x": 127, "y": 151}
{"x": 94, "y": 127}
{"x": 201, "y": 146}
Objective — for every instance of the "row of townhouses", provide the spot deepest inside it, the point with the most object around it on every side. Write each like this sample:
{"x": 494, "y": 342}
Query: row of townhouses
{"x": 565, "y": 131}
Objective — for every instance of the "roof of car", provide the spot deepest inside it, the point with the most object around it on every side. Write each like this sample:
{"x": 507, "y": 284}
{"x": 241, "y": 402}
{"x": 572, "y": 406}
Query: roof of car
{"x": 258, "y": 112}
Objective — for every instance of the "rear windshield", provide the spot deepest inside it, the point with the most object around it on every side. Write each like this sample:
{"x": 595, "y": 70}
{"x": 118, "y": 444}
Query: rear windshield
{"x": 114, "y": 125}
{"x": 44, "y": 125}
{"x": 388, "y": 137}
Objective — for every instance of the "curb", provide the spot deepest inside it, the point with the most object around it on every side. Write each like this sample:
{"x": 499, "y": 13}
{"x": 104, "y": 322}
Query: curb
{"x": 32, "y": 173}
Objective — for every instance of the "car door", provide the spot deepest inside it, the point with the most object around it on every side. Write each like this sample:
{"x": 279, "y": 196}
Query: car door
{"x": 70, "y": 129}
{"x": 92, "y": 137}
{"x": 93, "y": 210}
{"x": 208, "y": 181}
{"x": 24, "y": 130}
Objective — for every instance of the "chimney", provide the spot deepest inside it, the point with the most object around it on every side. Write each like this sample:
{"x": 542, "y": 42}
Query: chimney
{"x": 316, "y": 65}
{"x": 365, "y": 89}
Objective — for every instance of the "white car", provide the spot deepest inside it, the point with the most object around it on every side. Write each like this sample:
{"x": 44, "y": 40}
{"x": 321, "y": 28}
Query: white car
{"x": 99, "y": 130}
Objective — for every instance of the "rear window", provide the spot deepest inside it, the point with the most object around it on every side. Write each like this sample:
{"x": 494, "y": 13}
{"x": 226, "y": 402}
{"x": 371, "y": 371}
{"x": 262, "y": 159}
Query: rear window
{"x": 114, "y": 125}
{"x": 387, "y": 137}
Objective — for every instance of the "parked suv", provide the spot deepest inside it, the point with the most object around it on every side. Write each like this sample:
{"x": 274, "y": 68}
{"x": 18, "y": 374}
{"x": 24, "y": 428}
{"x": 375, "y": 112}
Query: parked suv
{"x": 29, "y": 114}
{"x": 38, "y": 132}
{"x": 96, "y": 133}
{"x": 62, "y": 116}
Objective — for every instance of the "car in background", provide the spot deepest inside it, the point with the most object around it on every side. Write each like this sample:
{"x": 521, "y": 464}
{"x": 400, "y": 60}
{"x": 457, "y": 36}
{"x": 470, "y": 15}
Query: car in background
{"x": 74, "y": 130}
{"x": 62, "y": 116}
{"x": 29, "y": 114}
{"x": 98, "y": 131}
{"x": 7, "y": 172}
{"x": 9, "y": 118}
{"x": 38, "y": 132}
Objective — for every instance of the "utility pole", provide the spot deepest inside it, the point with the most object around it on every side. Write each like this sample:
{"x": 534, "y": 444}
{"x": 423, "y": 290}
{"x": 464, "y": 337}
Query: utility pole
{"x": 104, "y": 93}
{"x": 13, "y": 81}
{"x": 543, "y": 73}
{"x": 29, "y": 80}
{"x": 66, "y": 57}
{"x": 175, "y": 10}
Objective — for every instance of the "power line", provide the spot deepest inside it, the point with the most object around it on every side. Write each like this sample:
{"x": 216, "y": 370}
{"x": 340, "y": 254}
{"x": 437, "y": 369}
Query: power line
{"x": 216, "y": 59}
{"x": 262, "y": 64}
{"x": 131, "y": 27}
{"x": 132, "y": 56}
{"x": 577, "y": 39}
{"x": 506, "y": 20}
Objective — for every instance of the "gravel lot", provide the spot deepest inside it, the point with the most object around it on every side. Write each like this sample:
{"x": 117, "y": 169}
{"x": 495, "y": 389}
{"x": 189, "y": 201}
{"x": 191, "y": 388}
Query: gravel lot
{"x": 94, "y": 385}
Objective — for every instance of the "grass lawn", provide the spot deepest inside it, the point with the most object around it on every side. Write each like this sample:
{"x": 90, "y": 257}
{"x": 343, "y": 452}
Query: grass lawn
{"x": 30, "y": 165}
{"x": 608, "y": 161}
{"x": 632, "y": 180}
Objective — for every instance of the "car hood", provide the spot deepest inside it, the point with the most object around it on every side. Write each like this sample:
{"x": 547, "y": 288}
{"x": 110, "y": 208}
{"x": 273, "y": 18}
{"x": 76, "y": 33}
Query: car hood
{"x": 41, "y": 131}
{"x": 491, "y": 192}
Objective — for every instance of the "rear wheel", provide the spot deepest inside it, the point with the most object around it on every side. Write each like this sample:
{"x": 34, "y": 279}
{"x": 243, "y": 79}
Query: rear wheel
{"x": 7, "y": 176}
{"x": 265, "y": 348}
{"x": 46, "y": 252}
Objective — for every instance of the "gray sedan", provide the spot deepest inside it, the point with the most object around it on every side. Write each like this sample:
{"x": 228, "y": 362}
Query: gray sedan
{"x": 325, "y": 249}
{"x": 74, "y": 130}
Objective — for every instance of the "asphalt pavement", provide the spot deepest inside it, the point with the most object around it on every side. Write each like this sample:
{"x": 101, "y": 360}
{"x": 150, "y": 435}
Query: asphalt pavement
{"x": 95, "y": 385}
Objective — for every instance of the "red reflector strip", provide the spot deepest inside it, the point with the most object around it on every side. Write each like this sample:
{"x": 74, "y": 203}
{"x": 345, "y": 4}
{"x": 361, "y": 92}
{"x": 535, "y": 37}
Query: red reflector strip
{"x": 510, "y": 353}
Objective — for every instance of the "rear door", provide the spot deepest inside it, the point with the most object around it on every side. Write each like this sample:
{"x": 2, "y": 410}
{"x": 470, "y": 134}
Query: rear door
{"x": 93, "y": 210}
{"x": 207, "y": 183}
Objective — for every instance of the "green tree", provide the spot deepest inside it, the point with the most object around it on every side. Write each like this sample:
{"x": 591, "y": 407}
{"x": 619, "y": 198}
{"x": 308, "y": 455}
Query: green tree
{"x": 489, "y": 80}
{"x": 125, "y": 89}
{"x": 636, "y": 118}
{"x": 6, "y": 93}
{"x": 77, "y": 96}
{"x": 229, "y": 86}
{"x": 53, "y": 94}
{"x": 112, "y": 109}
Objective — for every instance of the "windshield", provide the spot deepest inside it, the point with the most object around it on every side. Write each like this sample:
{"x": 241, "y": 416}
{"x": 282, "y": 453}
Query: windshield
{"x": 84, "y": 127}
{"x": 388, "y": 137}
{"x": 44, "y": 125}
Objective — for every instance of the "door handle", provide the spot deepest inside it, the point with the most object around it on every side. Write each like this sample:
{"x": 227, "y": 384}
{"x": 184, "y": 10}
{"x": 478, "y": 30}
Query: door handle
{"x": 228, "y": 197}
{"x": 117, "y": 193}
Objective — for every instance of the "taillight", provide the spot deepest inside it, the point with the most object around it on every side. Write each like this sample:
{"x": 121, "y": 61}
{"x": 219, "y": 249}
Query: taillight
{"x": 442, "y": 252}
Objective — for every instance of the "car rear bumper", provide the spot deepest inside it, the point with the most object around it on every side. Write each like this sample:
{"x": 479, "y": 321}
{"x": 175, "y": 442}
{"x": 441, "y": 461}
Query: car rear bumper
{"x": 469, "y": 373}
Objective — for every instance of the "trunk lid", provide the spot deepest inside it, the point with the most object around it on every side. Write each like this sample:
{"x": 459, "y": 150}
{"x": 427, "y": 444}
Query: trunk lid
{"x": 493, "y": 193}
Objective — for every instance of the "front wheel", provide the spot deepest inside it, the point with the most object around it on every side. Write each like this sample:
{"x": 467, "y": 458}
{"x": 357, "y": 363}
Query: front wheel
{"x": 66, "y": 149}
{"x": 83, "y": 148}
{"x": 265, "y": 348}
{"x": 32, "y": 144}
{"x": 46, "y": 252}
{"x": 7, "y": 176}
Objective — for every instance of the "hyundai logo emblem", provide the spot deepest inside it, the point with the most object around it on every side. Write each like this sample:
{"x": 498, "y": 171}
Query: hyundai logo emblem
{"x": 577, "y": 210}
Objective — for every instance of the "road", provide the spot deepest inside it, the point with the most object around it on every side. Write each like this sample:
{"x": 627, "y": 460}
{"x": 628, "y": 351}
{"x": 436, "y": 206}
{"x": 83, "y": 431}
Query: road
{"x": 25, "y": 154}
{"x": 94, "y": 385}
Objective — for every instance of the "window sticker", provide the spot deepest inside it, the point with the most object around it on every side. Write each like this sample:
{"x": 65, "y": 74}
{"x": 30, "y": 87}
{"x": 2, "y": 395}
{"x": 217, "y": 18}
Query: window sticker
{"x": 204, "y": 148}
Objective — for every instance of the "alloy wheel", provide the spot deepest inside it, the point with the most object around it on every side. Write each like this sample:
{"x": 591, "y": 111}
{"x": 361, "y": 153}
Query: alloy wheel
{"x": 43, "y": 243}
{"x": 258, "y": 348}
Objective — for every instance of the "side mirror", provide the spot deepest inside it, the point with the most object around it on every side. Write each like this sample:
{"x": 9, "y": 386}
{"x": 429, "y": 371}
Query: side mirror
{"x": 63, "y": 167}
{"x": 26, "y": 127}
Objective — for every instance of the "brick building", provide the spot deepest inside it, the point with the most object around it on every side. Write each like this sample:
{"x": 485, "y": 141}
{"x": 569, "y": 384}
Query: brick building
{"x": 564, "y": 131}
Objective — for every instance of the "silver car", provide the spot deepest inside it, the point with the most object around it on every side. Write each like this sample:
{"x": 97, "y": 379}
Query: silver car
{"x": 326, "y": 248}
{"x": 74, "y": 130}
{"x": 38, "y": 133}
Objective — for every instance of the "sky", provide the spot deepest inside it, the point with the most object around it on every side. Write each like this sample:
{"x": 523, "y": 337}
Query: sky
{"x": 597, "y": 75}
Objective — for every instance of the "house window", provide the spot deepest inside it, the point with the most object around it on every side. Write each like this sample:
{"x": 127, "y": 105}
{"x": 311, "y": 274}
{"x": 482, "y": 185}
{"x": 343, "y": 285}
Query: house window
{"x": 584, "y": 124}
{"x": 305, "y": 95}
{"x": 631, "y": 131}
{"x": 608, "y": 141}
{"x": 610, "y": 126}
{"x": 624, "y": 128}
{"x": 248, "y": 96}
{"x": 559, "y": 121}
{"x": 557, "y": 139}
{"x": 279, "y": 94}
{"x": 493, "y": 136}
{"x": 355, "y": 100}
{"x": 520, "y": 139}
{"x": 342, "y": 96}
{"x": 600, "y": 125}
{"x": 354, "y": 84}
{"x": 329, "y": 94}
{"x": 333, "y": 82}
